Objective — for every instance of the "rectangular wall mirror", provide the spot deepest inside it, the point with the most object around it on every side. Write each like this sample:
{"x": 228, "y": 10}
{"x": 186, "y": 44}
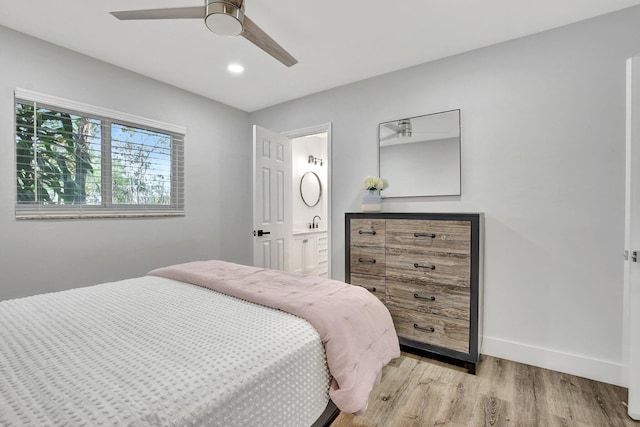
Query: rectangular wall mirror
{"x": 420, "y": 156}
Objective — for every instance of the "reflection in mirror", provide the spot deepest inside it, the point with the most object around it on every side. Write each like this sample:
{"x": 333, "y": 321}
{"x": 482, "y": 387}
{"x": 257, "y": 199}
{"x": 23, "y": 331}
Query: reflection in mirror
{"x": 310, "y": 189}
{"x": 420, "y": 156}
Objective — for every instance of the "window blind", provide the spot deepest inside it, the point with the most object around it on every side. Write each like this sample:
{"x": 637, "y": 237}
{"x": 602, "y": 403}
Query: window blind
{"x": 75, "y": 160}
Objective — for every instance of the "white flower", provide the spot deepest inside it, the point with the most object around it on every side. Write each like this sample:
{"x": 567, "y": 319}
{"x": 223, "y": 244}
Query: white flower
{"x": 375, "y": 183}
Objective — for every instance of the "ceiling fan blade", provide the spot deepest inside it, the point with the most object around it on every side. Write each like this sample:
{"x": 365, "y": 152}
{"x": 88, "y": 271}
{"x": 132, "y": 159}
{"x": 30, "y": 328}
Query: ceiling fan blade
{"x": 255, "y": 35}
{"x": 393, "y": 127}
{"x": 172, "y": 13}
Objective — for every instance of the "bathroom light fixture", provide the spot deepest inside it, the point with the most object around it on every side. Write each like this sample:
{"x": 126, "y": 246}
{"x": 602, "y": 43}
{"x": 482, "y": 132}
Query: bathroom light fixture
{"x": 315, "y": 160}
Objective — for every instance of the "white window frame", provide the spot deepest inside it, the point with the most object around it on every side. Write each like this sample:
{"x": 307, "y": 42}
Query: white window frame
{"x": 106, "y": 210}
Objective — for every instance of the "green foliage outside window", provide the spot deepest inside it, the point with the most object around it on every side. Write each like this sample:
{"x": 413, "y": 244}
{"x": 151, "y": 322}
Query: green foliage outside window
{"x": 54, "y": 156}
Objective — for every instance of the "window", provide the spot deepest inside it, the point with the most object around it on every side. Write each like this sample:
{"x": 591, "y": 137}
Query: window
{"x": 75, "y": 160}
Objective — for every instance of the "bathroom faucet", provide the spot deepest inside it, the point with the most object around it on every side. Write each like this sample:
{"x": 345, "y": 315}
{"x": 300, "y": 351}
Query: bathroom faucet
{"x": 313, "y": 222}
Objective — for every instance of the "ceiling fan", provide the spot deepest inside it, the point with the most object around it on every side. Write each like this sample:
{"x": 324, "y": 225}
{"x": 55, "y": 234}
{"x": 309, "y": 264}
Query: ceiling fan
{"x": 225, "y": 18}
{"x": 403, "y": 128}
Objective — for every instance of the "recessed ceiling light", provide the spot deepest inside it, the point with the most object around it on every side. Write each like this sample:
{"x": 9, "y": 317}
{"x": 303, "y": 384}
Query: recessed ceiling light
{"x": 235, "y": 68}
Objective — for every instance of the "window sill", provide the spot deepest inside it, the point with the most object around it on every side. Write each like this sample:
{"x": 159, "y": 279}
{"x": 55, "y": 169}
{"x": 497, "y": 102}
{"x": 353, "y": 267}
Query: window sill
{"x": 21, "y": 216}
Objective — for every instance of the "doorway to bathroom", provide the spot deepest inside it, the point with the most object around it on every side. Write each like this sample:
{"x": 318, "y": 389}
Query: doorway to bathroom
{"x": 309, "y": 249}
{"x": 292, "y": 200}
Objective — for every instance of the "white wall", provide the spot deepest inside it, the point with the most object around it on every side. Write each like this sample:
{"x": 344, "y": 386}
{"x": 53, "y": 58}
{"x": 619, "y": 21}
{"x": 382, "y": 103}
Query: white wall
{"x": 542, "y": 155}
{"x": 42, "y": 256}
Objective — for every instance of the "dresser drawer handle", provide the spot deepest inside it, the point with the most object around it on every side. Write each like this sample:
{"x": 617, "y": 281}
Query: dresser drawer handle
{"x": 416, "y": 296}
{"x": 367, "y": 260}
{"x": 432, "y": 235}
{"x": 430, "y": 267}
{"x": 420, "y": 328}
{"x": 373, "y": 289}
{"x": 372, "y": 232}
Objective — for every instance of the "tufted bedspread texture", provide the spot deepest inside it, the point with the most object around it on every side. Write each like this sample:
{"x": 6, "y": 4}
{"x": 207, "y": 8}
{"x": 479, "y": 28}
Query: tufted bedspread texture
{"x": 355, "y": 327}
{"x": 153, "y": 351}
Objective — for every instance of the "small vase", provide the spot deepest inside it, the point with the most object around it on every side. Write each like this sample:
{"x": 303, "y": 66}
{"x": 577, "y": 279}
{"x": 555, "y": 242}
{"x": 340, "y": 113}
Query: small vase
{"x": 371, "y": 202}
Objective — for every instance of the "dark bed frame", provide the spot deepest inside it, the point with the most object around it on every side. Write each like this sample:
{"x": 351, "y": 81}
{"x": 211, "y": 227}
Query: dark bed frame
{"x": 330, "y": 413}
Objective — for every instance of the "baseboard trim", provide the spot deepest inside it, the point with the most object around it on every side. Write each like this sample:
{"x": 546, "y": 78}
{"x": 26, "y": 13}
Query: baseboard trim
{"x": 594, "y": 369}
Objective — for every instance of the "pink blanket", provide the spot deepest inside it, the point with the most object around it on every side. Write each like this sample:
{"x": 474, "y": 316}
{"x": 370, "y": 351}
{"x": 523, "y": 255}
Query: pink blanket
{"x": 355, "y": 327}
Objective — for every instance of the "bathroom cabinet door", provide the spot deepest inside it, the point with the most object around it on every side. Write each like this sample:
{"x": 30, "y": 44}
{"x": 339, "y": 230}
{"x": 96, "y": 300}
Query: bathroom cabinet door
{"x": 303, "y": 254}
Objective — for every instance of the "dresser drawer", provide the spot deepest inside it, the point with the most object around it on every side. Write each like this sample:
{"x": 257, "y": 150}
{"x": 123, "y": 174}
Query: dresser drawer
{"x": 367, "y": 232}
{"x": 428, "y": 267}
{"x": 367, "y": 260}
{"x": 432, "y": 329}
{"x": 437, "y": 235}
{"x": 443, "y": 300}
{"x": 374, "y": 284}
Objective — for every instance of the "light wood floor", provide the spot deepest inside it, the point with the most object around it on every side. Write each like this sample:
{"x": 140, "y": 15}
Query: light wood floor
{"x": 416, "y": 391}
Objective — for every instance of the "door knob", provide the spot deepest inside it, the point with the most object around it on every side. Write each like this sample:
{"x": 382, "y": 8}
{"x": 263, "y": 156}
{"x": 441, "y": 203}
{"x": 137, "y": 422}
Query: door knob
{"x": 260, "y": 233}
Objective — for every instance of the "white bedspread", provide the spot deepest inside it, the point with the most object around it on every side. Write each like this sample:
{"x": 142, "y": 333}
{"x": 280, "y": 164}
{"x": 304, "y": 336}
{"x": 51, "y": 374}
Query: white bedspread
{"x": 154, "y": 351}
{"x": 355, "y": 327}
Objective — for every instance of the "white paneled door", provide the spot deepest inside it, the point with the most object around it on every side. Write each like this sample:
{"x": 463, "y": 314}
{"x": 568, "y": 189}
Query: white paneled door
{"x": 632, "y": 239}
{"x": 271, "y": 199}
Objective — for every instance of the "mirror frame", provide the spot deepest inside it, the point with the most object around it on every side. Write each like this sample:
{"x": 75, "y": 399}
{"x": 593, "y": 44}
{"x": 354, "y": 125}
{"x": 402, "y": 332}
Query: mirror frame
{"x": 308, "y": 203}
{"x": 456, "y": 186}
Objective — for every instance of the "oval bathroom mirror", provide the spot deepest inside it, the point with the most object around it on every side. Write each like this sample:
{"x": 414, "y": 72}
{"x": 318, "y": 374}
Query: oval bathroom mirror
{"x": 310, "y": 189}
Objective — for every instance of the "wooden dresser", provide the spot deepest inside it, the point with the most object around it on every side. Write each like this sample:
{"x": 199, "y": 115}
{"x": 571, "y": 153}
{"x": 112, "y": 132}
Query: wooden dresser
{"x": 427, "y": 269}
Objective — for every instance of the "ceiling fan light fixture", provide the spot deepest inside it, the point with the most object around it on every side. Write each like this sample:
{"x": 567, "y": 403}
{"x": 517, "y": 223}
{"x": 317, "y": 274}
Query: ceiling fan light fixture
{"x": 224, "y": 18}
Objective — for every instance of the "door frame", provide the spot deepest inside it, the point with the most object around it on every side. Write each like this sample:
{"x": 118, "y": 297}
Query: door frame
{"x": 312, "y": 130}
{"x": 631, "y": 298}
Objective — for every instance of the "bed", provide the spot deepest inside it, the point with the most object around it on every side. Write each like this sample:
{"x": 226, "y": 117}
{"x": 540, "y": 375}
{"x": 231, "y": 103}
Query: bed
{"x": 190, "y": 345}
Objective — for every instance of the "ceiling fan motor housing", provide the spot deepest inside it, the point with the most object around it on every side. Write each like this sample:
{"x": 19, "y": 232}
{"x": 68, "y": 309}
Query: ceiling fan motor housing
{"x": 405, "y": 128}
{"x": 224, "y": 18}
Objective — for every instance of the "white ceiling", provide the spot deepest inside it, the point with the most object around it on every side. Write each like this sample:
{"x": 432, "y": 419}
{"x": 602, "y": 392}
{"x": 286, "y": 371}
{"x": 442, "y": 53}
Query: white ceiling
{"x": 335, "y": 42}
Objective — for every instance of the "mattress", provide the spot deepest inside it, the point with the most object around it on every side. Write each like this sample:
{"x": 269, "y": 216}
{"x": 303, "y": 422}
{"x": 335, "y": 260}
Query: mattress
{"x": 155, "y": 351}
